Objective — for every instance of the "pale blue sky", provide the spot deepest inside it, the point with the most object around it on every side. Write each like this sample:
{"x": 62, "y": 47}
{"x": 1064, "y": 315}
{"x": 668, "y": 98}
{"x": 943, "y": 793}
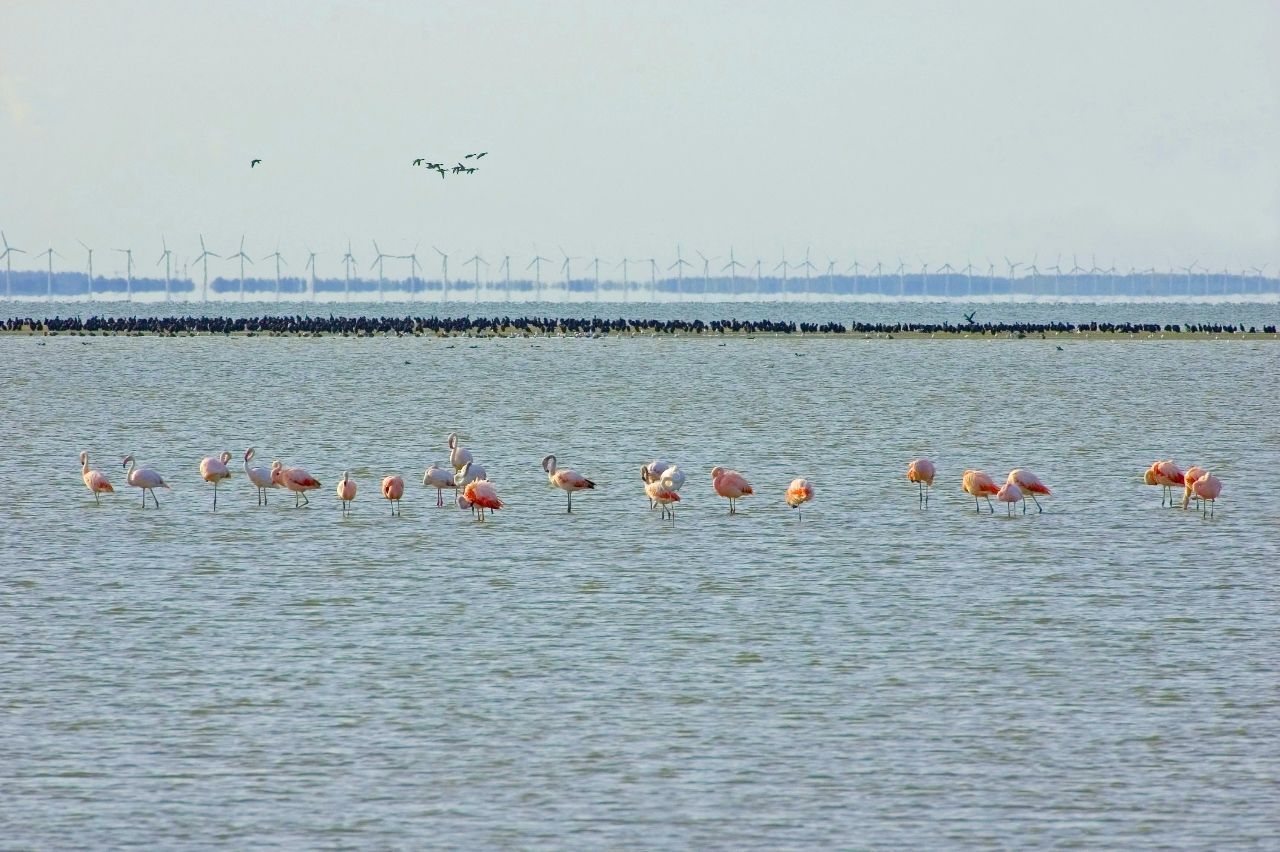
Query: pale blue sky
{"x": 1143, "y": 131}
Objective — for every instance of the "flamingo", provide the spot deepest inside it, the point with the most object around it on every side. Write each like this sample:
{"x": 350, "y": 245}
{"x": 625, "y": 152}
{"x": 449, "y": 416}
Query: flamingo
{"x": 1192, "y": 474}
{"x": 296, "y": 479}
{"x": 438, "y": 478}
{"x": 1207, "y": 488}
{"x": 1028, "y": 483}
{"x": 215, "y": 470}
{"x": 921, "y": 472}
{"x": 144, "y": 478}
{"x": 1010, "y": 493}
{"x": 393, "y": 490}
{"x": 259, "y": 476}
{"x": 347, "y": 492}
{"x": 673, "y": 478}
{"x": 979, "y": 484}
{"x": 481, "y": 494}
{"x": 94, "y": 480}
{"x": 730, "y": 484}
{"x": 1167, "y": 475}
{"x": 459, "y": 457}
{"x": 798, "y": 493}
{"x": 655, "y": 469}
{"x": 658, "y": 489}
{"x": 565, "y": 479}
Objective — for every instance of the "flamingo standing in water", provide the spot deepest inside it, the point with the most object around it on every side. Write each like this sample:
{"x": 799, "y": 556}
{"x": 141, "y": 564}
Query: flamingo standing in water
{"x": 731, "y": 485}
{"x": 459, "y": 457}
{"x": 1168, "y": 476}
{"x": 346, "y": 492}
{"x": 259, "y": 476}
{"x": 1207, "y": 488}
{"x": 438, "y": 478}
{"x": 565, "y": 479}
{"x": 480, "y": 494}
{"x": 659, "y": 491}
{"x": 215, "y": 470}
{"x": 94, "y": 480}
{"x": 144, "y": 478}
{"x": 1028, "y": 483}
{"x": 653, "y": 469}
{"x": 296, "y": 479}
{"x": 979, "y": 484}
{"x": 921, "y": 472}
{"x": 1010, "y": 493}
{"x": 393, "y": 490}
{"x": 1192, "y": 474}
{"x": 798, "y": 493}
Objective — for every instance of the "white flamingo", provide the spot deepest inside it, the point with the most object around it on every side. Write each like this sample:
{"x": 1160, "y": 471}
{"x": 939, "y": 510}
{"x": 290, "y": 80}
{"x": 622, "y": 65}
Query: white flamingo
{"x": 459, "y": 457}
{"x": 144, "y": 478}
{"x": 259, "y": 476}
{"x": 438, "y": 478}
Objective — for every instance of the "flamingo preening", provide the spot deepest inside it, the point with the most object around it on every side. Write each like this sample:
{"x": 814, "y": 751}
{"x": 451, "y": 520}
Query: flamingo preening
{"x": 480, "y": 494}
{"x": 393, "y": 490}
{"x": 921, "y": 472}
{"x": 565, "y": 479}
{"x": 799, "y": 492}
{"x": 1010, "y": 493}
{"x": 296, "y": 479}
{"x": 214, "y": 469}
{"x": 979, "y": 484}
{"x": 1168, "y": 476}
{"x": 659, "y": 491}
{"x": 144, "y": 478}
{"x": 94, "y": 480}
{"x": 1028, "y": 483}
{"x": 259, "y": 476}
{"x": 1208, "y": 487}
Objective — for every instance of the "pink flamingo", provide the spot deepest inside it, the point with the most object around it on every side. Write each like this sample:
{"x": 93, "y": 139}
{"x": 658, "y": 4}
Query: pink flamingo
{"x": 1010, "y": 493}
{"x": 1168, "y": 476}
{"x": 481, "y": 494}
{"x": 565, "y": 479}
{"x": 1192, "y": 474}
{"x": 652, "y": 472}
{"x": 438, "y": 478}
{"x": 346, "y": 492}
{"x": 144, "y": 478}
{"x": 798, "y": 493}
{"x": 1207, "y": 488}
{"x": 215, "y": 470}
{"x": 296, "y": 479}
{"x": 731, "y": 485}
{"x": 1028, "y": 483}
{"x": 657, "y": 487}
{"x": 979, "y": 484}
{"x": 94, "y": 480}
{"x": 393, "y": 490}
{"x": 259, "y": 476}
{"x": 921, "y": 472}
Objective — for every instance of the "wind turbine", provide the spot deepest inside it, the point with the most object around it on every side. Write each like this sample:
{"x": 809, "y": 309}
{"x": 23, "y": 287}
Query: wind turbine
{"x": 348, "y": 260}
{"x": 1013, "y": 270}
{"x": 808, "y": 268}
{"x": 968, "y": 277}
{"x": 475, "y": 260}
{"x": 879, "y": 269}
{"x": 128, "y": 267}
{"x": 566, "y": 270}
{"x": 242, "y": 257}
{"x": 653, "y": 279}
{"x": 1257, "y": 271}
{"x": 946, "y": 285}
{"x": 279, "y": 259}
{"x": 506, "y": 270}
{"x": 8, "y": 265}
{"x": 596, "y": 265}
{"x": 414, "y": 266}
{"x": 165, "y": 256}
{"x": 1056, "y": 269}
{"x": 444, "y": 273}
{"x": 784, "y": 266}
{"x": 1075, "y": 272}
{"x": 378, "y": 263}
{"x": 902, "y": 283}
{"x": 732, "y": 266}
{"x": 991, "y": 277}
{"x": 205, "y": 254}
{"x": 626, "y": 282}
{"x": 311, "y": 265}
{"x": 536, "y": 264}
{"x": 759, "y": 281}
{"x": 679, "y": 266}
{"x": 48, "y": 288}
{"x": 1035, "y": 274}
{"x": 854, "y": 267}
{"x": 831, "y": 272}
{"x": 706, "y": 274}
{"x": 90, "y": 251}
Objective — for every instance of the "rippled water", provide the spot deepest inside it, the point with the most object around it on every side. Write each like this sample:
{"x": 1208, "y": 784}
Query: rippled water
{"x": 1102, "y": 674}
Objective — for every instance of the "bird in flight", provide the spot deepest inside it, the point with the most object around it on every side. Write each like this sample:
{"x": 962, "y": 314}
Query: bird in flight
{"x": 440, "y": 169}
{"x": 418, "y": 161}
{"x": 969, "y": 317}
{"x": 253, "y": 163}
{"x": 477, "y": 156}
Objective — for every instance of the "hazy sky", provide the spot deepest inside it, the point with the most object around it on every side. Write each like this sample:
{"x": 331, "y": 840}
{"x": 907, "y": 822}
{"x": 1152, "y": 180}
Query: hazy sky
{"x": 938, "y": 131}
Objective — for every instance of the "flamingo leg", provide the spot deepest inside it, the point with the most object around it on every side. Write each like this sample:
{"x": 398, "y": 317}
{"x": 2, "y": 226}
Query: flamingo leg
{"x": 976, "y": 507}
{"x": 926, "y": 496}
{"x": 569, "y": 494}
{"x": 154, "y": 499}
{"x": 215, "y": 494}
{"x": 1039, "y": 508}
{"x": 1024, "y": 504}
{"x": 96, "y": 501}
{"x": 990, "y": 507}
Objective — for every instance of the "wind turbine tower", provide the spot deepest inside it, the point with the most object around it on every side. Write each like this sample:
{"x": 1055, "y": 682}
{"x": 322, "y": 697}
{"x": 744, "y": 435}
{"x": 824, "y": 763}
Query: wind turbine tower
{"x": 205, "y": 254}
{"x": 9, "y": 251}
{"x": 679, "y": 266}
{"x": 48, "y": 282}
{"x": 536, "y": 265}
{"x": 475, "y": 260}
{"x": 243, "y": 257}
{"x": 444, "y": 275}
{"x": 732, "y": 266}
{"x": 378, "y": 263}
{"x": 165, "y": 255}
{"x": 506, "y": 271}
{"x": 311, "y": 265}
{"x": 90, "y": 251}
{"x": 128, "y": 273}
{"x": 279, "y": 259}
{"x": 348, "y": 261}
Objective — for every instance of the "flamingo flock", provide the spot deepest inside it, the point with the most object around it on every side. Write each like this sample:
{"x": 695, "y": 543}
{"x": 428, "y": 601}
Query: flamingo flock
{"x": 662, "y": 483}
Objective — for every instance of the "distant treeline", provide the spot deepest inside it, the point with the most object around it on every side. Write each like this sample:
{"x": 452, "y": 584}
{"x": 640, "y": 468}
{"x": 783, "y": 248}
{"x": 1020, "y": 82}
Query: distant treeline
{"x": 26, "y": 283}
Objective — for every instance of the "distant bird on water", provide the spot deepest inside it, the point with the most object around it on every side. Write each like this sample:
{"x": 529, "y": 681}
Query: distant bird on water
{"x": 94, "y": 480}
{"x": 253, "y": 163}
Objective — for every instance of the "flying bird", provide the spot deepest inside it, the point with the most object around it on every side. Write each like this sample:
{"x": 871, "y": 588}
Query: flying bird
{"x": 477, "y": 156}
{"x": 969, "y": 317}
{"x": 419, "y": 161}
{"x": 253, "y": 163}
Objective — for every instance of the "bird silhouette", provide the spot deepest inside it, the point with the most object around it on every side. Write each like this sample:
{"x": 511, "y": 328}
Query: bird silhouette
{"x": 253, "y": 163}
{"x": 459, "y": 168}
{"x": 440, "y": 169}
{"x": 477, "y": 156}
{"x": 969, "y": 317}
{"x": 470, "y": 171}
{"x": 418, "y": 161}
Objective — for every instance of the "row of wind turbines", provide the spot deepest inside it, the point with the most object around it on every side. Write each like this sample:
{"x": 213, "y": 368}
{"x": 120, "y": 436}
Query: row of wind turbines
{"x": 680, "y": 273}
